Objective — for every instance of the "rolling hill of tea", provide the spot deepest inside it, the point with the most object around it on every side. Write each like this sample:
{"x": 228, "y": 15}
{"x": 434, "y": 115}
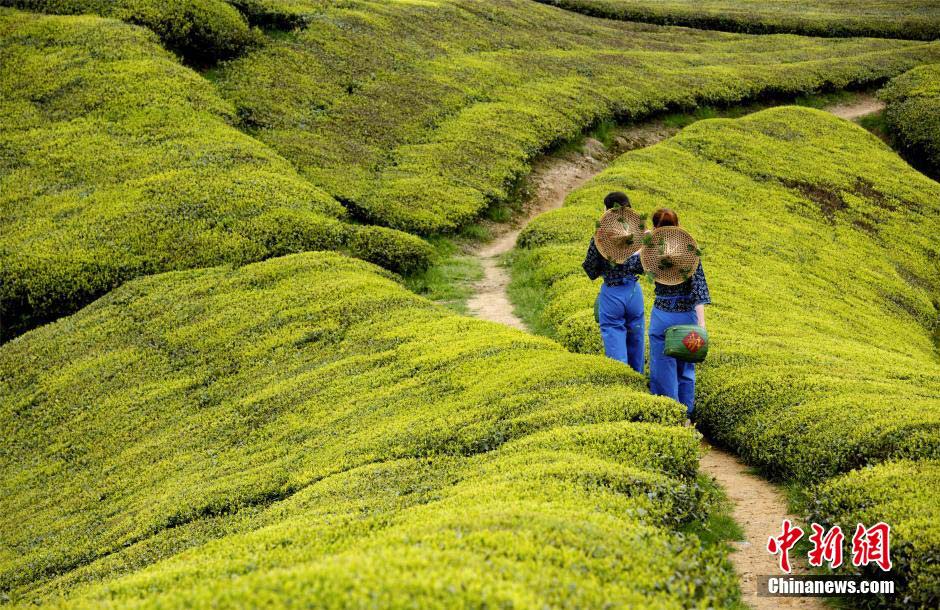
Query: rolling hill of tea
{"x": 119, "y": 162}
{"x": 412, "y": 115}
{"x": 216, "y": 390}
{"x": 821, "y": 253}
{"x": 417, "y": 115}
{"x": 201, "y": 31}
{"x": 911, "y": 19}
{"x": 306, "y": 429}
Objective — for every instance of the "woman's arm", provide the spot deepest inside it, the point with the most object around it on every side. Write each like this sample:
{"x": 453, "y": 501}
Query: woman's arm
{"x": 700, "y": 294}
{"x": 593, "y": 262}
{"x": 633, "y": 264}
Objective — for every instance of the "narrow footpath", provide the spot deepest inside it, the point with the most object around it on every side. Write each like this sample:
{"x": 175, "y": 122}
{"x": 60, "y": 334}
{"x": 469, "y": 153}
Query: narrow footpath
{"x": 550, "y": 181}
{"x": 758, "y": 506}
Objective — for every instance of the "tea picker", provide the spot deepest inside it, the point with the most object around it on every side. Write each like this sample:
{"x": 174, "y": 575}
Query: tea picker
{"x": 611, "y": 254}
{"x": 677, "y": 336}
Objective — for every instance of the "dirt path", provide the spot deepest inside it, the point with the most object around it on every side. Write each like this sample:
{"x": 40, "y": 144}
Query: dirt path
{"x": 550, "y": 181}
{"x": 759, "y": 508}
{"x": 862, "y": 105}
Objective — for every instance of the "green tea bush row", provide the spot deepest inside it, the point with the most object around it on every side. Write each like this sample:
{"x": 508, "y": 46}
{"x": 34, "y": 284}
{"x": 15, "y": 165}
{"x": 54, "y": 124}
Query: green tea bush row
{"x": 913, "y": 113}
{"x": 822, "y": 260}
{"x": 904, "y": 495}
{"x": 282, "y": 14}
{"x": 910, "y": 19}
{"x": 420, "y": 115}
{"x": 119, "y": 162}
{"x": 201, "y": 31}
{"x": 305, "y": 428}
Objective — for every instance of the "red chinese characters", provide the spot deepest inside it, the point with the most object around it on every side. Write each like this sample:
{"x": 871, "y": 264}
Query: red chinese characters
{"x": 826, "y": 548}
{"x": 872, "y": 545}
{"x": 782, "y": 544}
{"x": 693, "y": 341}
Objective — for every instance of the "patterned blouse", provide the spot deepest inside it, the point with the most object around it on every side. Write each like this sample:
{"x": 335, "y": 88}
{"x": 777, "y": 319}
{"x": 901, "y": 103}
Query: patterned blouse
{"x": 679, "y": 298}
{"x": 685, "y": 296}
{"x": 596, "y": 266}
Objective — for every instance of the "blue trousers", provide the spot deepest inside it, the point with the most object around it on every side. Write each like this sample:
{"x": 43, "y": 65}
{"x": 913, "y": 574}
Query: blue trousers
{"x": 668, "y": 376}
{"x": 620, "y": 315}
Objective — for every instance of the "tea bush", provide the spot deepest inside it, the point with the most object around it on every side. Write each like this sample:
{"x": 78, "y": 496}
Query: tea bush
{"x": 913, "y": 113}
{"x": 305, "y": 429}
{"x": 911, "y": 19}
{"x": 904, "y": 495}
{"x": 202, "y": 31}
{"x": 283, "y": 14}
{"x": 420, "y": 115}
{"x": 821, "y": 254}
{"x": 119, "y": 162}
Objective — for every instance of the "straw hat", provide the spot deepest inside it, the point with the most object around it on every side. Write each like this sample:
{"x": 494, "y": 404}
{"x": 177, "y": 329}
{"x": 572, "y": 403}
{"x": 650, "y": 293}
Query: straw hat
{"x": 670, "y": 254}
{"x": 619, "y": 234}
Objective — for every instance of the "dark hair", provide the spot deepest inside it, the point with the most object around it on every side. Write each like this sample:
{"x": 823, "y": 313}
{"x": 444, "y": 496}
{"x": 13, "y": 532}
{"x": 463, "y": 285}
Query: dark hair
{"x": 664, "y": 217}
{"x": 616, "y": 199}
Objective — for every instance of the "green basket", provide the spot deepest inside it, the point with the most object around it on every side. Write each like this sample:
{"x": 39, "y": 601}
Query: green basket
{"x": 686, "y": 342}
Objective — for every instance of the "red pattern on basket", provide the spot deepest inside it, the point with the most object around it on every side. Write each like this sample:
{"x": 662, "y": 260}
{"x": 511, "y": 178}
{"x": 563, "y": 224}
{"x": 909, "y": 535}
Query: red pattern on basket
{"x": 693, "y": 341}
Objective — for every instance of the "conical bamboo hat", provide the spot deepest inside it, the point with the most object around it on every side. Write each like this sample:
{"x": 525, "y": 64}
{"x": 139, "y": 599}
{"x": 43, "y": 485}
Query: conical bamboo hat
{"x": 619, "y": 234}
{"x": 670, "y": 254}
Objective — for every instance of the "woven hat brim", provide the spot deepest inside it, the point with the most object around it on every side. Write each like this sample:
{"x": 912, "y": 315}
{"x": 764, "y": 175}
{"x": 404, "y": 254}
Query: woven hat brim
{"x": 672, "y": 257}
{"x": 619, "y": 235}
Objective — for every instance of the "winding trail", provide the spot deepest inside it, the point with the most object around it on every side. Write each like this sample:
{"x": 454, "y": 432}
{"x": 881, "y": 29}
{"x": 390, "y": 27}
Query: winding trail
{"x": 758, "y": 506}
{"x": 550, "y": 181}
{"x": 553, "y": 177}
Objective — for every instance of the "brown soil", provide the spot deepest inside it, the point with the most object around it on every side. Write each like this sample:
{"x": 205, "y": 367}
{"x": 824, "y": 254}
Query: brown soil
{"x": 759, "y": 508}
{"x": 862, "y": 105}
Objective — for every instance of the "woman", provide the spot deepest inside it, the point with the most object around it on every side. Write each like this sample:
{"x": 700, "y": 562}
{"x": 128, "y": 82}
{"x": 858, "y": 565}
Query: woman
{"x": 619, "y": 305}
{"x": 681, "y": 303}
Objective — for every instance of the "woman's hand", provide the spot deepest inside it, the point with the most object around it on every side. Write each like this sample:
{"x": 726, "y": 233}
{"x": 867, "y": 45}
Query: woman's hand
{"x": 700, "y": 315}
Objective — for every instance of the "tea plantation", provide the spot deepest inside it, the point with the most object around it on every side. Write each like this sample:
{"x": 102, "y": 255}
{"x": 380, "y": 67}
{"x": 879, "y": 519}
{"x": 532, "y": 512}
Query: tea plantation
{"x": 820, "y": 247}
{"x": 216, "y": 390}
{"x": 118, "y": 162}
{"x": 912, "y": 19}
{"x": 913, "y": 114}
{"x": 418, "y": 115}
{"x": 305, "y": 430}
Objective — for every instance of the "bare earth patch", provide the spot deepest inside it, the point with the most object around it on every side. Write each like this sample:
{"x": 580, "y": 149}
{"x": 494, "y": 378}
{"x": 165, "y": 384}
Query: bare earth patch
{"x": 863, "y": 105}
